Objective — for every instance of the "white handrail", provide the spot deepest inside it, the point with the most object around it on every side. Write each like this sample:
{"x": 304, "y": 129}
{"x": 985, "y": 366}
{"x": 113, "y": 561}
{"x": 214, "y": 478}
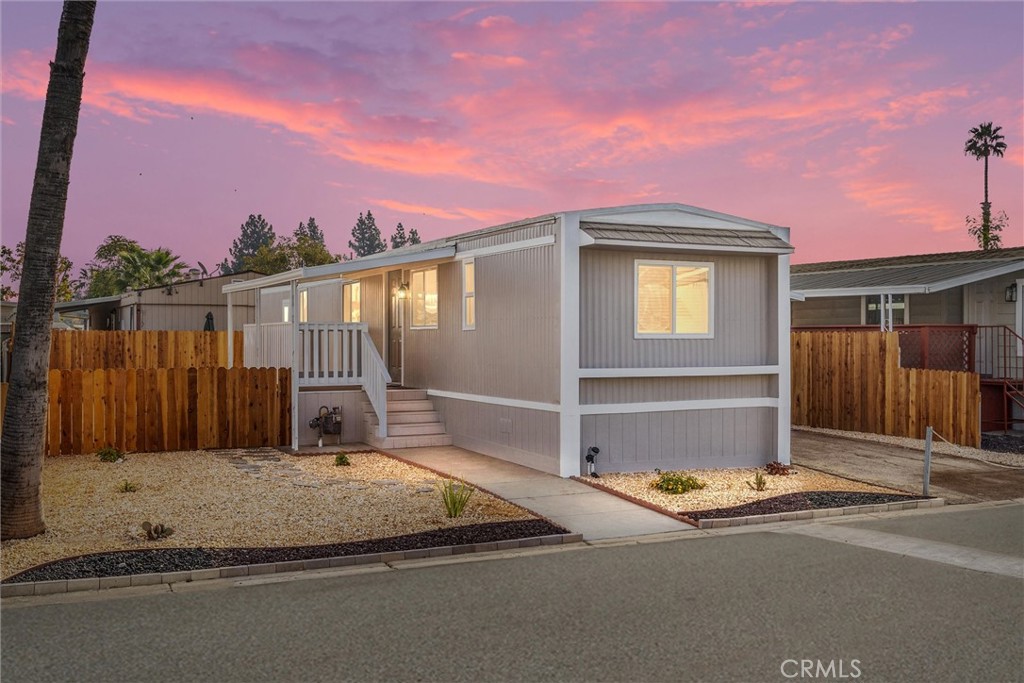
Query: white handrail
{"x": 375, "y": 382}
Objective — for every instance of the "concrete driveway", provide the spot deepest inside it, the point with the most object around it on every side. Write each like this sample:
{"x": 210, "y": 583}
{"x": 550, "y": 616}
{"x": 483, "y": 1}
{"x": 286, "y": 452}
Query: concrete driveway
{"x": 958, "y": 480}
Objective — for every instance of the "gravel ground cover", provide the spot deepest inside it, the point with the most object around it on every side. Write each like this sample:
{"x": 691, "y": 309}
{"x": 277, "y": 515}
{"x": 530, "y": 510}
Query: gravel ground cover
{"x": 237, "y": 499}
{"x": 1002, "y": 449}
{"x": 726, "y": 488}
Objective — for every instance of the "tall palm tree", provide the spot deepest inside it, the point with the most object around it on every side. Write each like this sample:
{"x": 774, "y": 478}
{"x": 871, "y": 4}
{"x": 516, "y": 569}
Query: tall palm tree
{"x": 985, "y": 141}
{"x": 24, "y": 428}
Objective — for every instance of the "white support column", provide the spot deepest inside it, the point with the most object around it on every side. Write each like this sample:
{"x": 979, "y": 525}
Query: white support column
{"x": 569, "y": 361}
{"x": 295, "y": 364}
{"x": 260, "y": 361}
{"x": 785, "y": 408}
{"x": 231, "y": 335}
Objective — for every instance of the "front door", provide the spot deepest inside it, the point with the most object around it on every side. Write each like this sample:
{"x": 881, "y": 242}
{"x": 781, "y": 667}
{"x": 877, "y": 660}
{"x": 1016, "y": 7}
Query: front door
{"x": 394, "y": 327}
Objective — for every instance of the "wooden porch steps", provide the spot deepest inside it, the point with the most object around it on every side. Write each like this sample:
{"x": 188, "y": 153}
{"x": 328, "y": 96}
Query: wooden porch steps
{"x": 412, "y": 421}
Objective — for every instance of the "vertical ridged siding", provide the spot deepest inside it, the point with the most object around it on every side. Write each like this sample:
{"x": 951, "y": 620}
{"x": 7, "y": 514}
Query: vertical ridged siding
{"x": 526, "y": 437}
{"x": 186, "y": 307}
{"x": 744, "y": 300}
{"x": 646, "y": 389}
{"x": 323, "y": 303}
{"x": 514, "y": 350}
{"x": 827, "y": 310}
{"x": 685, "y": 439}
{"x": 524, "y": 232}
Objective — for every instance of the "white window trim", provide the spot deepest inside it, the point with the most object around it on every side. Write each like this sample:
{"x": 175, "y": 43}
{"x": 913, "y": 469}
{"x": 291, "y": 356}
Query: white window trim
{"x": 710, "y": 334}
{"x": 466, "y": 295}
{"x": 864, "y": 307}
{"x": 412, "y": 298}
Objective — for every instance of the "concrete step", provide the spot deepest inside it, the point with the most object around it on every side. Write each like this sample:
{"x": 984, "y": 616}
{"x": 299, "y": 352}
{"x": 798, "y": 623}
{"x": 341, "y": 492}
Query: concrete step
{"x": 406, "y": 395}
{"x": 415, "y": 429}
{"x": 409, "y": 441}
{"x": 404, "y": 418}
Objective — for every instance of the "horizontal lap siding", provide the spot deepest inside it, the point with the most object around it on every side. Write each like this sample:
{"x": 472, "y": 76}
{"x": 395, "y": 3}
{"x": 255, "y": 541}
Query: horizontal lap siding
{"x": 684, "y": 439}
{"x": 743, "y": 307}
{"x": 513, "y": 352}
{"x": 644, "y": 389}
{"x": 828, "y": 310}
{"x": 527, "y": 437}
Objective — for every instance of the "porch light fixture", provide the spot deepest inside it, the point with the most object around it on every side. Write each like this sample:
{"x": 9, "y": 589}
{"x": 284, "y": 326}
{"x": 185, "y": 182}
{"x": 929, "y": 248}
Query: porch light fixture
{"x": 403, "y": 291}
{"x": 1010, "y": 295}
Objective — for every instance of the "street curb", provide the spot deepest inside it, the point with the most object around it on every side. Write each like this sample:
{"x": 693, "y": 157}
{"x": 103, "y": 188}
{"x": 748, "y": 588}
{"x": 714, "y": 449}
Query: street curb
{"x": 12, "y": 590}
{"x": 814, "y": 514}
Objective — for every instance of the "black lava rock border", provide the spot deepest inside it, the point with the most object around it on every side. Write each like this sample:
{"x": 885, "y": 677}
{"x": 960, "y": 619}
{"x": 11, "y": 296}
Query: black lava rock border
{"x": 806, "y": 500}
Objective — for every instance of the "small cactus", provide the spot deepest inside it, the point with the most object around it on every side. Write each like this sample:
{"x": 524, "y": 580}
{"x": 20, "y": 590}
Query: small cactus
{"x": 155, "y": 532}
{"x": 759, "y": 483}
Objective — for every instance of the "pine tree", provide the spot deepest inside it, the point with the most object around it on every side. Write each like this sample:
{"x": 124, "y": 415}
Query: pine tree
{"x": 414, "y": 237}
{"x": 310, "y": 230}
{"x": 366, "y": 238}
{"x": 398, "y": 237}
{"x": 256, "y": 233}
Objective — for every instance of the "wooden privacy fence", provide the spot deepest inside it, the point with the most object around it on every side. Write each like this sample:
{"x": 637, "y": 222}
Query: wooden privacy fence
{"x": 166, "y": 409}
{"x": 142, "y": 349}
{"x": 853, "y": 381}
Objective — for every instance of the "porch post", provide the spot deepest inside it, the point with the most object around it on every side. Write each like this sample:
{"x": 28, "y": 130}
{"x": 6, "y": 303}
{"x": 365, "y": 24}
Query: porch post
{"x": 570, "y": 448}
{"x": 260, "y": 362}
{"x": 295, "y": 365}
{"x": 785, "y": 409}
{"x": 231, "y": 335}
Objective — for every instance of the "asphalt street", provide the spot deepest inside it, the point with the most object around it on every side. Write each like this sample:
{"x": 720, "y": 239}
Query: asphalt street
{"x": 922, "y": 596}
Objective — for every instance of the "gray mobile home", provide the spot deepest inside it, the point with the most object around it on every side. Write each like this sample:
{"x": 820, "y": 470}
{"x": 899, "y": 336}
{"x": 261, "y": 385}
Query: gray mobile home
{"x": 658, "y": 334}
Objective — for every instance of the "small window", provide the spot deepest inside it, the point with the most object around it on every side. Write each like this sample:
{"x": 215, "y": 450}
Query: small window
{"x": 674, "y": 299}
{"x": 469, "y": 294}
{"x": 424, "y": 299}
{"x": 304, "y": 306}
{"x": 873, "y": 310}
{"x": 352, "y": 302}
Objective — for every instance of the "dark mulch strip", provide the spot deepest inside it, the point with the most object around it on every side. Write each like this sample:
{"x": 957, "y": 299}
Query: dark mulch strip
{"x": 127, "y": 562}
{"x": 807, "y": 500}
{"x": 1003, "y": 443}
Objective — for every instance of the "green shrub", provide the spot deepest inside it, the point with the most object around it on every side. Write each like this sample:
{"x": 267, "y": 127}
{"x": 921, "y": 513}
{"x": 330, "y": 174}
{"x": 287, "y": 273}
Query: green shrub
{"x": 127, "y": 487}
{"x": 341, "y": 460}
{"x": 759, "y": 483}
{"x": 676, "y": 482}
{"x": 455, "y": 495}
{"x": 109, "y": 454}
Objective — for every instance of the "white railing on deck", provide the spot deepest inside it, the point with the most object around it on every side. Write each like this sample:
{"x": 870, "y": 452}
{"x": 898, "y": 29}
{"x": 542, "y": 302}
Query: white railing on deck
{"x": 275, "y": 348}
{"x": 330, "y": 353}
{"x": 375, "y": 382}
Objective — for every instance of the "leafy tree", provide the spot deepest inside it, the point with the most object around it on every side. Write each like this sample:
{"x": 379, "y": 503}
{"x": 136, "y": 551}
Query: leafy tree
{"x": 989, "y": 238}
{"x": 12, "y": 262}
{"x": 414, "y": 237}
{"x": 24, "y": 424}
{"x": 366, "y": 238}
{"x": 269, "y": 259}
{"x": 255, "y": 233}
{"x": 100, "y": 276}
{"x": 985, "y": 141}
{"x": 304, "y": 248}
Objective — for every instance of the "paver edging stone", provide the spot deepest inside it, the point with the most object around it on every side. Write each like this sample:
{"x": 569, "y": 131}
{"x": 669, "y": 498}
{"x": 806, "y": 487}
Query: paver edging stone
{"x": 721, "y": 522}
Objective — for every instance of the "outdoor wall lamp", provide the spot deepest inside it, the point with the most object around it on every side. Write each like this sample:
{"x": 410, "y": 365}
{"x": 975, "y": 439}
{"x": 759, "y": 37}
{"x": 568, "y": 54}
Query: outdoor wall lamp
{"x": 403, "y": 291}
{"x": 1010, "y": 295}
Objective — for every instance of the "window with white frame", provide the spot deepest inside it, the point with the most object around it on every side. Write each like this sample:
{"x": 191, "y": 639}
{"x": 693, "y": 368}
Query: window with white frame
{"x": 674, "y": 299}
{"x": 351, "y": 298}
{"x": 304, "y": 306}
{"x": 469, "y": 294}
{"x": 424, "y": 299}
{"x": 873, "y": 310}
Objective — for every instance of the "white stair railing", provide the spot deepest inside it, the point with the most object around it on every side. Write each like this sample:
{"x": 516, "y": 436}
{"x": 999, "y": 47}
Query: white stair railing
{"x": 330, "y": 354}
{"x": 375, "y": 382}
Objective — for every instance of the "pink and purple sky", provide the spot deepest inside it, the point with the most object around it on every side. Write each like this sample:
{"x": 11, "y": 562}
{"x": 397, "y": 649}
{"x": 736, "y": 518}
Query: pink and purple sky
{"x": 845, "y": 122}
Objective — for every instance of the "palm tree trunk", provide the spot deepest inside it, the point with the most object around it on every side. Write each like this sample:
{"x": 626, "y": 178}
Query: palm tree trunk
{"x": 24, "y": 424}
{"x": 986, "y": 179}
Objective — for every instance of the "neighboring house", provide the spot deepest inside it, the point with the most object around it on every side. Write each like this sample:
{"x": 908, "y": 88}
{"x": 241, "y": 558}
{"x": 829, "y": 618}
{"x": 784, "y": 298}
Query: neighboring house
{"x": 956, "y": 311}
{"x": 181, "y": 306}
{"x": 8, "y": 310}
{"x": 658, "y": 334}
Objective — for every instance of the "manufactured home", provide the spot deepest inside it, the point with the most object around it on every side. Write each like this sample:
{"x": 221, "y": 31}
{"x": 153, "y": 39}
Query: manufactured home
{"x": 954, "y": 311}
{"x": 650, "y": 336}
{"x": 192, "y": 304}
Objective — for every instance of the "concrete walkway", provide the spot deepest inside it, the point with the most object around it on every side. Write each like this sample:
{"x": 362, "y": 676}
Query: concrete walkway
{"x": 577, "y": 507}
